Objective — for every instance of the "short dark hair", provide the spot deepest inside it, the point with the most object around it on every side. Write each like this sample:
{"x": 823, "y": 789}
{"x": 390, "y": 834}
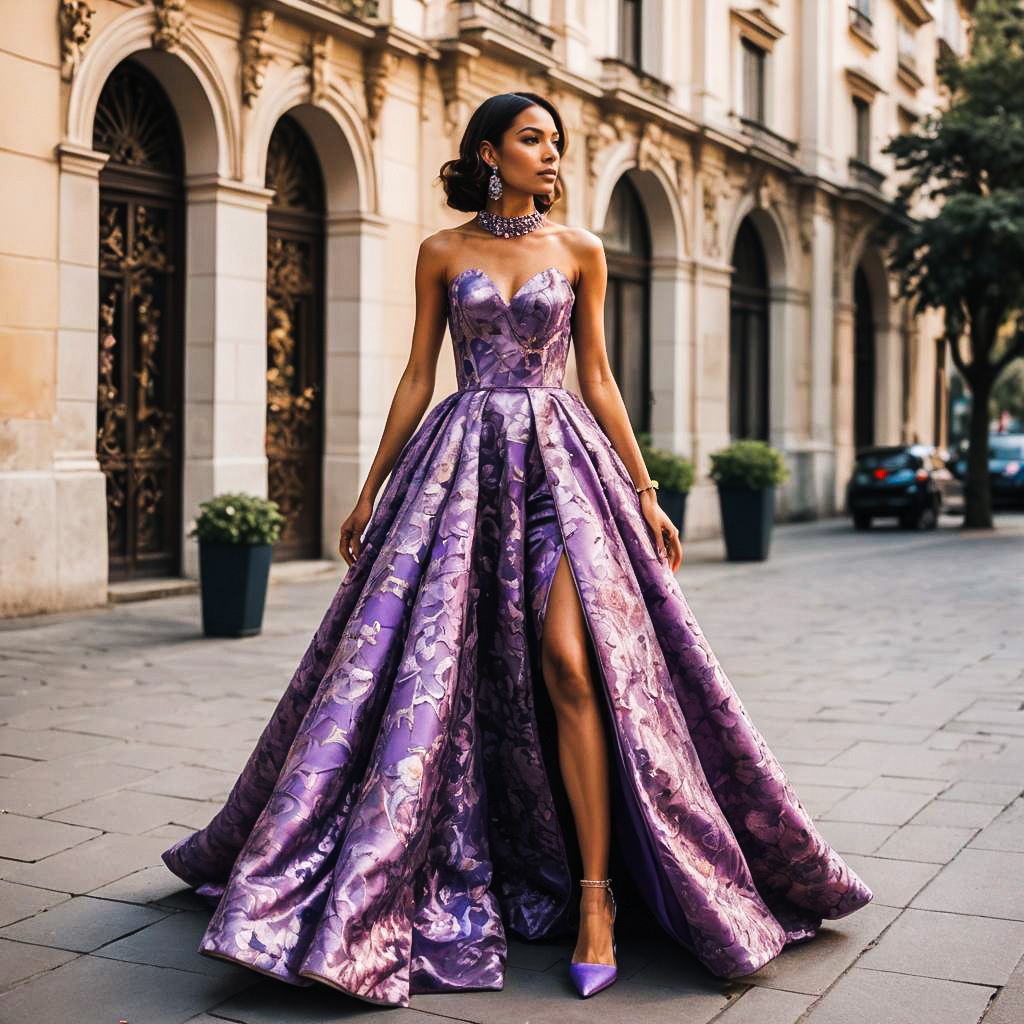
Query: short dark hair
{"x": 464, "y": 179}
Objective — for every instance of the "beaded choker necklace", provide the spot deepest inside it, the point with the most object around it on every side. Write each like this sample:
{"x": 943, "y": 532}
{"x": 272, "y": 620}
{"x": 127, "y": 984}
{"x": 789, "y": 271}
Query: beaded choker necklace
{"x": 510, "y": 227}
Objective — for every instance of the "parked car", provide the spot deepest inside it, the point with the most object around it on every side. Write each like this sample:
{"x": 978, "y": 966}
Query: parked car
{"x": 910, "y": 481}
{"x": 1005, "y": 468}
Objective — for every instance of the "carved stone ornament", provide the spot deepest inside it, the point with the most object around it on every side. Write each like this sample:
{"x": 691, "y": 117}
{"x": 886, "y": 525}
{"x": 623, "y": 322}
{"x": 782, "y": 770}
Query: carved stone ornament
{"x": 255, "y": 55}
{"x": 171, "y": 22}
{"x": 600, "y": 137}
{"x": 768, "y": 191}
{"x": 714, "y": 189}
{"x": 75, "y": 30}
{"x": 378, "y": 67}
{"x": 455, "y": 73}
{"x": 319, "y": 68}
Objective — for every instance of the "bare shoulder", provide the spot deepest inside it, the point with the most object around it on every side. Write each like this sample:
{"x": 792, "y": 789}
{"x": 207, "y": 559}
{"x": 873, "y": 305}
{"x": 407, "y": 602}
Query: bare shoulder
{"x": 586, "y": 250}
{"x": 434, "y": 252}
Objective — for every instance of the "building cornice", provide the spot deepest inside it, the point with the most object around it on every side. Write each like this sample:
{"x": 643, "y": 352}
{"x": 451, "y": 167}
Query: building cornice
{"x": 756, "y": 26}
{"x": 915, "y": 12}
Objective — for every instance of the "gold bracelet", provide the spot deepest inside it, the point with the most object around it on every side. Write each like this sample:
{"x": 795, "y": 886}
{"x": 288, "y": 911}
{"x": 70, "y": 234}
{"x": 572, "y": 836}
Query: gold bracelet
{"x": 647, "y": 487}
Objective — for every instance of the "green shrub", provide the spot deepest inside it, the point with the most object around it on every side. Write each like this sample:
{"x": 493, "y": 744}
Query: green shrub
{"x": 238, "y": 519}
{"x": 673, "y": 472}
{"x": 748, "y": 464}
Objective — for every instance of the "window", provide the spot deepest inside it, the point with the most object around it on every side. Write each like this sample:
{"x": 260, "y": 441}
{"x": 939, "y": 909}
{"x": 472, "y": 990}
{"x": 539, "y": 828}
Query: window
{"x": 907, "y": 44}
{"x": 753, "y": 82}
{"x": 629, "y": 32}
{"x": 862, "y": 129}
{"x": 860, "y": 17}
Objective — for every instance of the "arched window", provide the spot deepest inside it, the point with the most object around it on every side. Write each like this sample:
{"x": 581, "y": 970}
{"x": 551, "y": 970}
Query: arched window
{"x": 627, "y": 244}
{"x": 295, "y": 338}
{"x": 748, "y": 337}
{"x": 141, "y": 303}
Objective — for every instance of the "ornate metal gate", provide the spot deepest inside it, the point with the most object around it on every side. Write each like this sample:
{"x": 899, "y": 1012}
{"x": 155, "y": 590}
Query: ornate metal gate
{"x": 139, "y": 400}
{"x": 295, "y": 301}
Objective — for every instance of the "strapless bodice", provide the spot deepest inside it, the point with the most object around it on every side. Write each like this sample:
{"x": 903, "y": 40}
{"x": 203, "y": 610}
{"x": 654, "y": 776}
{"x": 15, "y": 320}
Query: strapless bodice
{"x": 521, "y": 343}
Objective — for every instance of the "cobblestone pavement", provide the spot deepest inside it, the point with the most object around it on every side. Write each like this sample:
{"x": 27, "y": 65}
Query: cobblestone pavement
{"x": 885, "y": 670}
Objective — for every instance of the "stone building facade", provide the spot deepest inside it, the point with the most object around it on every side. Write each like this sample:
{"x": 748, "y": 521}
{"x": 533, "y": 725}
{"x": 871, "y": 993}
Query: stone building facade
{"x": 212, "y": 210}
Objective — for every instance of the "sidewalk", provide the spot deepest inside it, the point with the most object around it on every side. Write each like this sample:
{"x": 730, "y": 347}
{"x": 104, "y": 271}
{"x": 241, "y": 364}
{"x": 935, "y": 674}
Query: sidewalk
{"x": 886, "y": 671}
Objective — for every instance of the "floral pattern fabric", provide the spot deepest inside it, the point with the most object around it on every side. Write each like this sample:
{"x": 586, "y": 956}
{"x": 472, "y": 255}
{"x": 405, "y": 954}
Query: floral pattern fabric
{"x": 397, "y": 817}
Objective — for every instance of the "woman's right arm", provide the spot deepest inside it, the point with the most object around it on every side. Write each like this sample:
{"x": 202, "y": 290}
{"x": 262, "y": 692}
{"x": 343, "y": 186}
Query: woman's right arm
{"x": 412, "y": 395}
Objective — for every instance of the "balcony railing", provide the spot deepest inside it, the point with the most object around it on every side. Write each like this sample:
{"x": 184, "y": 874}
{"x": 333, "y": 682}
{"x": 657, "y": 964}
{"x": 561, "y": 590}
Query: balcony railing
{"x": 860, "y": 22}
{"x": 764, "y": 136}
{"x": 863, "y": 175}
{"x": 355, "y": 8}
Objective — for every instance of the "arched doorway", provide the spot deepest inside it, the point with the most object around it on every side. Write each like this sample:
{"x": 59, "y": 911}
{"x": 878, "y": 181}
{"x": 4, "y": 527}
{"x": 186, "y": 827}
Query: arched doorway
{"x": 141, "y": 302}
{"x": 627, "y": 242}
{"x": 295, "y": 338}
{"x": 748, "y": 337}
{"x": 864, "y": 368}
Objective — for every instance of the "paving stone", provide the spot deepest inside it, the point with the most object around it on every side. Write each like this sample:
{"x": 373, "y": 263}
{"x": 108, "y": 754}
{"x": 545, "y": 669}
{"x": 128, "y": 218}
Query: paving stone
{"x": 89, "y": 865}
{"x": 982, "y": 882}
{"x": 273, "y": 1002}
{"x": 154, "y": 884}
{"x": 879, "y": 806}
{"x": 97, "y": 990}
{"x": 172, "y": 941}
{"x": 766, "y": 1006}
{"x": 35, "y": 798}
{"x": 46, "y": 744}
{"x": 854, "y": 836}
{"x": 132, "y": 812}
{"x": 956, "y": 947}
{"x": 11, "y": 765}
{"x": 189, "y": 782}
{"x": 877, "y": 997}
{"x": 894, "y": 882}
{"x": 1008, "y": 1005}
{"x": 19, "y": 961}
{"x": 30, "y": 839}
{"x": 894, "y": 759}
{"x": 928, "y": 843}
{"x": 1007, "y": 836}
{"x": 82, "y": 924}
{"x": 908, "y": 784}
{"x": 18, "y": 901}
{"x": 811, "y": 967}
{"x": 982, "y": 792}
{"x": 956, "y": 813}
{"x": 550, "y": 996}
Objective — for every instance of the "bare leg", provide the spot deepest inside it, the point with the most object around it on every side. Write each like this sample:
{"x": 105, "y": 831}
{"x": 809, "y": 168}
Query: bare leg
{"x": 582, "y": 754}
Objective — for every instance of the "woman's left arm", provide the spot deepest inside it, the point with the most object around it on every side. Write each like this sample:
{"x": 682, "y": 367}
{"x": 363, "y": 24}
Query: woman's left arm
{"x": 601, "y": 393}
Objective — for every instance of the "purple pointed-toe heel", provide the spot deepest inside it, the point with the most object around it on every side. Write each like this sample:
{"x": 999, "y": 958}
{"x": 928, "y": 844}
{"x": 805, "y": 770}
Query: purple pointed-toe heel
{"x": 591, "y": 978}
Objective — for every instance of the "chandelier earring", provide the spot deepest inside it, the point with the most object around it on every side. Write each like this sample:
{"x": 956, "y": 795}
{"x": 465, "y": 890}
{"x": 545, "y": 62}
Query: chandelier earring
{"x": 494, "y": 185}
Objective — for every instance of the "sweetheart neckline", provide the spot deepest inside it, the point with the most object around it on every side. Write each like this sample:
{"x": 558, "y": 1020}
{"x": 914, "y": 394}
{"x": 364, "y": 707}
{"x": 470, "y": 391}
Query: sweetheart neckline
{"x": 497, "y": 291}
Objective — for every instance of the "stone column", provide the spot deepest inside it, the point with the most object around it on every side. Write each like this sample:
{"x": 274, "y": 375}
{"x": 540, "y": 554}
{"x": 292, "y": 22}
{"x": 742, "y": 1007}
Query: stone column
{"x": 671, "y": 356}
{"x": 80, "y": 487}
{"x": 225, "y": 345}
{"x": 358, "y": 363}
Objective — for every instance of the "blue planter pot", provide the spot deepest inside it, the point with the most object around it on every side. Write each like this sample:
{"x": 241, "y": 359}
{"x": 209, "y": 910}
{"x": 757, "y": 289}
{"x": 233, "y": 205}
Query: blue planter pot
{"x": 673, "y": 504}
{"x": 233, "y": 587}
{"x": 747, "y": 516}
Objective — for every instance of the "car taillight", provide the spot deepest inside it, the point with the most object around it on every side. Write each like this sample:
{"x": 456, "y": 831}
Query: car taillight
{"x": 921, "y": 474}
{"x": 1012, "y": 469}
{"x": 880, "y": 474}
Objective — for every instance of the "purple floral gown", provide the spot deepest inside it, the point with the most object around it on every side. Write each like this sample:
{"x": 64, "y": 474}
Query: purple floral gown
{"x": 396, "y": 817}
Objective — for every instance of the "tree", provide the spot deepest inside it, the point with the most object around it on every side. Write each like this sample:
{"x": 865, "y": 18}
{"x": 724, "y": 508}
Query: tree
{"x": 956, "y": 237}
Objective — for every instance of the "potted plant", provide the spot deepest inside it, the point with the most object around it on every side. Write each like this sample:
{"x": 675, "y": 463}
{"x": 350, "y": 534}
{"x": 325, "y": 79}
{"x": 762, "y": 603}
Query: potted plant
{"x": 236, "y": 533}
{"x": 674, "y": 474}
{"x": 746, "y": 473}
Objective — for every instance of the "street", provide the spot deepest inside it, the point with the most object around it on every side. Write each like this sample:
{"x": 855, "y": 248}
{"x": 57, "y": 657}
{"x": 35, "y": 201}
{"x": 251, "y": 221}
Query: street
{"x": 885, "y": 670}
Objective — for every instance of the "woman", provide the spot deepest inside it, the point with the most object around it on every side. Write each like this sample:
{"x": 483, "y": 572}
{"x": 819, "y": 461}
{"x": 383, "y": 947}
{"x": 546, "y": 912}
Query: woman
{"x": 403, "y": 808}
